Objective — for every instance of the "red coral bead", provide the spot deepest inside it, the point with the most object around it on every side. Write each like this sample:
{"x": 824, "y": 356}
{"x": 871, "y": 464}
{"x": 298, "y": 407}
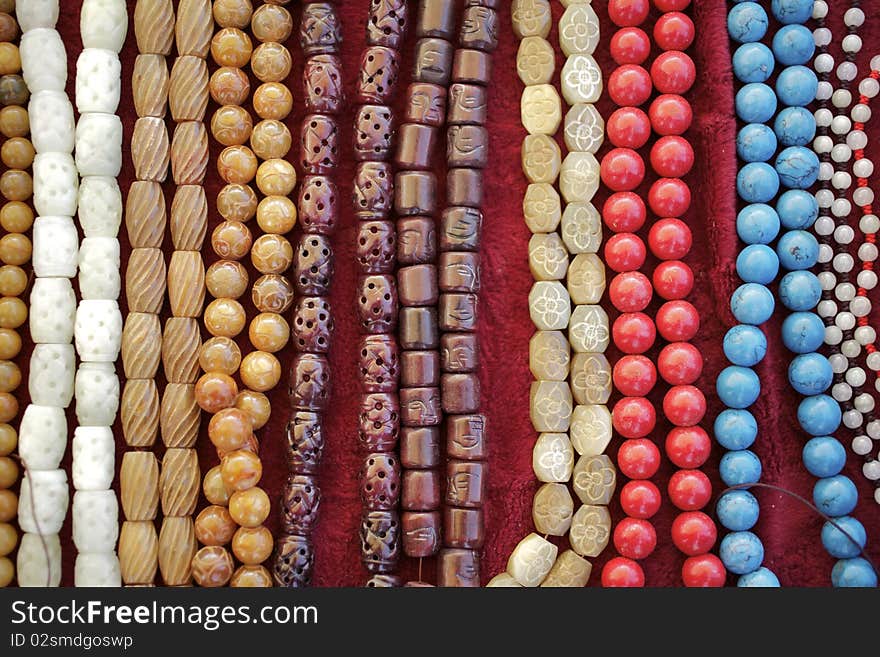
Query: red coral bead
{"x": 629, "y": 85}
{"x": 670, "y": 239}
{"x": 680, "y": 363}
{"x": 689, "y": 490}
{"x": 635, "y": 417}
{"x": 673, "y": 279}
{"x": 705, "y": 570}
{"x": 622, "y": 169}
{"x": 688, "y": 447}
{"x": 671, "y": 5}
{"x": 625, "y": 252}
{"x": 635, "y": 538}
{"x": 630, "y": 291}
{"x": 693, "y": 532}
{"x": 640, "y": 499}
{"x": 638, "y": 459}
{"x": 628, "y": 127}
{"x": 684, "y": 406}
{"x": 673, "y": 72}
{"x": 621, "y": 572}
{"x": 678, "y": 321}
{"x": 669, "y": 197}
{"x": 630, "y": 45}
{"x": 626, "y": 13}
{"x": 670, "y": 114}
{"x": 624, "y": 212}
{"x": 674, "y": 31}
{"x": 633, "y": 333}
{"x": 634, "y": 375}
{"x": 672, "y": 156}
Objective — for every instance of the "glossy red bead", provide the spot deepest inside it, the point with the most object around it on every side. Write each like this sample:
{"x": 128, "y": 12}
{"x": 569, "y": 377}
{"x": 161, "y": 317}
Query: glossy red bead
{"x": 634, "y": 538}
{"x": 678, "y": 321}
{"x": 635, "y": 417}
{"x": 640, "y": 498}
{"x": 704, "y": 570}
{"x": 629, "y": 84}
{"x": 674, "y": 31}
{"x": 626, "y": 13}
{"x": 684, "y": 406}
{"x": 638, "y": 459}
{"x": 671, "y": 5}
{"x": 633, "y": 333}
{"x": 624, "y": 212}
{"x": 688, "y": 447}
{"x": 621, "y": 572}
{"x": 673, "y": 279}
{"x": 693, "y": 532}
{"x": 630, "y": 291}
{"x": 630, "y": 45}
{"x": 670, "y": 114}
{"x": 672, "y": 156}
{"x": 673, "y": 72}
{"x": 680, "y": 363}
{"x": 625, "y": 252}
{"x": 669, "y": 197}
{"x": 670, "y": 239}
{"x": 628, "y": 127}
{"x": 634, "y": 375}
{"x": 689, "y": 490}
{"x": 622, "y": 169}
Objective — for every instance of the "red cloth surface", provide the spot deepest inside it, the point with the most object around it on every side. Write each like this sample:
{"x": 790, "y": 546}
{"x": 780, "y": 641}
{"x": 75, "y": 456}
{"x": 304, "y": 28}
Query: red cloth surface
{"x": 789, "y": 530}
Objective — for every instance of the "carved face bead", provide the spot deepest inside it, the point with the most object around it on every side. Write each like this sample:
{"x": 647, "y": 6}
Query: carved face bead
{"x": 433, "y": 62}
{"x": 420, "y": 407}
{"x": 379, "y": 421}
{"x": 460, "y": 229}
{"x": 459, "y": 271}
{"x": 459, "y": 352}
{"x": 467, "y": 104}
{"x": 427, "y": 104}
{"x": 416, "y": 240}
{"x": 479, "y": 28}
{"x": 322, "y": 84}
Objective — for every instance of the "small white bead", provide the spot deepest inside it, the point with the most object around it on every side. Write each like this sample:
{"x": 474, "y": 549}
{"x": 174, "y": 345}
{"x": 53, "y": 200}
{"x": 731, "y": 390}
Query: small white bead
{"x": 833, "y": 336}
{"x": 863, "y": 168}
{"x": 856, "y": 377}
{"x": 868, "y": 252}
{"x": 822, "y": 36}
{"x": 826, "y": 308}
{"x": 857, "y": 139}
{"x": 867, "y": 279}
{"x": 877, "y": 495}
{"x": 862, "y": 445}
{"x": 844, "y": 234}
{"x": 824, "y": 197}
{"x": 845, "y": 292}
{"x": 823, "y": 225}
{"x": 839, "y": 363}
{"x": 827, "y": 280}
{"x": 824, "y": 63}
{"x": 841, "y": 124}
{"x": 873, "y": 428}
{"x": 825, "y": 253}
{"x": 850, "y": 348}
{"x": 873, "y": 362}
{"x": 865, "y": 335}
{"x": 869, "y": 86}
{"x": 871, "y": 470}
{"x": 824, "y": 90}
{"x": 854, "y": 17}
{"x": 841, "y": 207}
{"x": 875, "y": 63}
{"x": 823, "y": 144}
{"x": 820, "y": 9}
{"x": 852, "y": 419}
{"x": 843, "y": 262}
{"x": 860, "y": 306}
{"x": 823, "y": 115}
{"x": 863, "y": 196}
{"x": 860, "y": 113}
{"x": 841, "y": 180}
{"x": 842, "y": 98}
{"x": 852, "y": 43}
{"x": 826, "y": 171}
{"x": 869, "y": 223}
{"x": 841, "y": 392}
{"x": 841, "y": 152}
{"x": 864, "y": 403}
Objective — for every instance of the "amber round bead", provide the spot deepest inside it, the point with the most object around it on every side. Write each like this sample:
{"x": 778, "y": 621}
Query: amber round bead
{"x": 14, "y": 122}
{"x": 231, "y": 125}
{"x": 7, "y": 572}
{"x": 237, "y": 164}
{"x": 269, "y": 332}
{"x": 13, "y": 313}
{"x": 273, "y": 100}
{"x": 15, "y": 249}
{"x": 8, "y": 472}
{"x": 226, "y": 278}
{"x": 212, "y": 566}
{"x": 241, "y": 470}
{"x": 231, "y": 239}
{"x": 215, "y": 391}
{"x": 233, "y": 13}
{"x": 8, "y": 25}
{"x": 271, "y": 23}
{"x": 10, "y": 344}
{"x": 272, "y": 293}
{"x": 252, "y": 545}
{"x": 231, "y": 47}
{"x": 271, "y": 139}
{"x": 214, "y": 488}
{"x": 251, "y": 577}
{"x": 229, "y": 430}
{"x": 17, "y": 153}
{"x": 10, "y": 59}
{"x": 220, "y": 355}
{"x": 8, "y": 439}
{"x": 215, "y": 526}
{"x": 9, "y": 505}
{"x": 272, "y": 254}
{"x": 13, "y": 281}
{"x": 271, "y": 62}
{"x": 16, "y": 185}
{"x": 13, "y": 90}
{"x": 276, "y": 177}
{"x": 16, "y": 217}
{"x": 276, "y": 215}
{"x": 260, "y": 371}
{"x": 8, "y": 410}
{"x": 225, "y": 317}
{"x": 237, "y": 203}
{"x": 10, "y": 376}
{"x": 250, "y": 508}
{"x": 229, "y": 86}
{"x": 8, "y": 538}
{"x": 256, "y": 405}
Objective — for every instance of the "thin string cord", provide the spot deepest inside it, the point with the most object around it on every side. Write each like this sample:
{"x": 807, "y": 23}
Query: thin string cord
{"x": 33, "y": 508}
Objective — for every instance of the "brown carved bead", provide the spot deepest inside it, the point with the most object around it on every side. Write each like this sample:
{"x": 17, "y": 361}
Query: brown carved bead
{"x": 189, "y": 218}
{"x": 229, "y": 86}
{"x": 179, "y": 482}
{"x": 318, "y": 204}
{"x": 145, "y": 215}
{"x": 180, "y": 349}
{"x": 426, "y": 104}
{"x": 154, "y": 26}
{"x": 386, "y": 23}
{"x": 420, "y": 407}
{"x": 433, "y": 61}
{"x": 271, "y": 23}
{"x": 380, "y": 481}
{"x": 421, "y": 490}
{"x": 468, "y": 104}
{"x": 459, "y": 352}
{"x": 416, "y": 240}
{"x": 294, "y": 560}
{"x": 458, "y": 568}
{"x": 312, "y": 324}
{"x": 415, "y": 192}
{"x": 436, "y": 19}
{"x": 322, "y": 84}
{"x": 139, "y": 412}
{"x": 379, "y": 421}
{"x": 140, "y": 335}
{"x": 459, "y": 271}
{"x": 379, "y": 363}
{"x": 305, "y": 442}
{"x": 467, "y": 146}
{"x": 373, "y": 132}
{"x": 465, "y": 437}
{"x": 310, "y": 382}
{"x": 457, "y": 312}
{"x": 145, "y": 281}
{"x": 464, "y": 188}
{"x": 417, "y": 285}
{"x": 464, "y": 527}
{"x": 472, "y": 66}
{"x": 320, "y": 31}
{"x": 180, "y": 415}
{"x": 186, "y": 283}
{"x": 372, "y": 190}
{"x": 460, "y": 229}
{"x": 378, "y": 74}
{"x": 420, "y": 369}
{"x": 272, "y": 293}
{"x": 188, "y": 90}
{"x": 420, "y": 533}
{"x": 319, "y": 147}
{"x": 379, "y": 541}
{"x": 418, "y": 328}
{"x": 376, "y": 247}
{"x": 150, "y": 149}
{"x": 420, "y": 447}
{"x": 377, "y": 303}
{"x": 313, "y": 265}
{"x": 193, "y": 31}
{"x": 189, "y": 153}
{"x": 465, "y": 483}
{"x": 149, "y": 85}
{"x": 415, "y": 146}
{"x": 300, "y": 504}
{"x": 479, "y": 28}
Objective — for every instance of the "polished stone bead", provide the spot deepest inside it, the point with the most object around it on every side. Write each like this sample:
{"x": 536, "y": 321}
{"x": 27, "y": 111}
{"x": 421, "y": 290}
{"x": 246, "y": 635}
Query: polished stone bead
{"x": 419, "y": 328}
{"x": 594, "y": 479}
{"x": 479, "y": 28}
{"x": 312, "y": 325}
{"x": 420, "y": 369}
{"x": 319, "y": 149}
{"x": 581, "y": 80}
{"x": 550, "y": 405}
{"x": 460, "y": 393}
{"x": 380, "y": 483}
{"x": 588, "y": 329}
{"x": 542, "y": 208}
{"x": 270, "y": 139}
{"x": 464, "y": 188}
{"x": 459, "y": 272}
{"x": 531, "y": 560}
{"x": 590, "y": 530}
{"x": 379, "y": 363}
{"x": 535, "y": 61}
{"x": 472, "y": 66}
{"x": 386, "y": 24}
{"x": 549, "y": 356}
{"x": 586, "y": 278}
{"x": 415, "y": 193}
{"x": 465, "y": 483}
{"x": 421, "y": 490}
{"x": 310, "y": 382}
{"x": 272, "y": 100}
{"x": 464, "y": 527}
{"x": 540, "y": 109}
{"x": 579, "y": 177}
{"x": 553, "y": 458}
{"x": 458, "y": 568}
{"x": 271, "y": 23}
{"x": 320, "y": 30}
{"x": 541, "y": 159}
{"x": 548, "y": 257}
{"x": 416, "y": 146}
{"x": 377, "y": 303}
{"x": 313, "y": 265}
{"x": 322, "y": 84}
{"x": 272, "y": 294}
{"x": 467, "y": 146}
{"x": 436, "y": 18}
{"x": 552, "y": 509}
{"x": 416, "y": 240}
{"x": 457, "y": 312}
{"x": 420, "y": 447}
{"x": 550, "y": 306}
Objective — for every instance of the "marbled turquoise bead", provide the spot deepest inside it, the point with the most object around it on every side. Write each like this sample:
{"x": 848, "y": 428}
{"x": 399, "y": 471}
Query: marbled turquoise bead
{"x": 835, "y": 496}
{"x": 757, "y": 263}
{"x": 745, "y": 345}
{"x": 839, "y": 544}
{"x": 853, "y": 573}
{"x": 755, "y": 142}
{"x": 761, "y": 578}
{"x": 810, "y": 374}
{"x": 757, "y": 182}
{"x": 753, "y": 62}
{"x": 793, "y": 44}
{"x": 797, "y": 249}
{"x": 738, "y": 387}
{"x": 752, "y": 303}
{"x": 757, "y": 223}
{"x": 798, "y": 167}
{"x": 796, "y": 86}
{"x": 803, "y": 332}
{"x": 755, "y": 103}
{"x": 797, "y": 208}
{"x": 824, "y": 456}
{"x": 741, "y": 552}
{"x": 735, "y": 429}
{"x": 740, "y": 467}
{"x": 794, "y": 126}
{"x": 747, "y": 21}
{"x": 792, "y": 11}
{"x": 819, "y": 415}
{"x": 737, "y": 510}
{"x": 800, "y": 290}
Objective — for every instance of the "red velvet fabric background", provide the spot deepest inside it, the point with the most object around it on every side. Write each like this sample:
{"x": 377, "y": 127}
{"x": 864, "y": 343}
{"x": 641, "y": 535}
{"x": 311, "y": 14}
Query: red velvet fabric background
{"x": 790, "y": 532}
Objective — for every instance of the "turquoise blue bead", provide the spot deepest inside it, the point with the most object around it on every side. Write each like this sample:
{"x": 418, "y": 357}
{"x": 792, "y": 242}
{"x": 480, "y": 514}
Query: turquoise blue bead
{"x": 800, "y": 290}
{"x": 839, "y": 544}
{"x": 755, "y": 142}
{"x": 738, "y": 387}
{"x": 835, "y": 496}
{"x": 757, "y": 223}
{"x": 755, "y": 103}
{"x": 753, "y": 62}
{"x": 737, "y": 510}
{"x": 824, "y": 456}
{"x": 797, "y": 209}
{"x": 794, "y": 126}
{"x": 793, "y": 44}
{"x": 819, "y": 415}
{"x": 746, "y": 22}
{"x": 752, "y": 303}
{"x": 792, "y": 11}
{"x": 735, "y": 429}
{"x": 757, "y": 182}
{"x": 798, "y": 167}
{"x": 740, "y": 467}
{"x": 797, "y": 249}
{"x": 853, "y": 573}
{"x": 745, "y": 345}
{"x": 796, "y": 86}
{"x": 761, "y": 578}
{"x": 741, "y": 552}
{"x": 810, "y": 374}
{"x": 757, "y": 263}
{"x": 803, "y": 332}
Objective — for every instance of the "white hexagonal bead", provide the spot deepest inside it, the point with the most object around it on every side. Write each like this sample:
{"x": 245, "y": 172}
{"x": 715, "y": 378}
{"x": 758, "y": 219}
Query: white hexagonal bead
{"x": 542, "y": 208}
{"x": 39, "y": 559}
{"x": 97, "y": 569}
{"x": 541, "y": 158}
{"x": 584, "y": 129}
{"x": 552, "y": 509}
{"x": 56, "y": 183}
{"x": 550, "y": 406}
{"x": 586, "y": 278}
{"x": 98, "y": 330}
{"x": 548, "y": 257}
{"x": 53, "y": 129}
{"x": 590, "y": 530}
{"x": 50, "y": 381}
{"x": 570, "y": 570}
{"x": 503, "y": 580}
{"x": 42, "y": 502}
{"x": 590, "y": 378}
{"x": 540, "y": 109}
{"x": 42, "y": 437}
{"x": 553, "y": 458}
{"x": 594, "y": 479}
{"x": 96, "y": 388}
{"x": 56, "y": 247}
{"x": 100, "y": 206}
{"x": 581, "y": 80}
{"x": 590, "y": 430}
{"x": 98, "y": 82}
{"x": 588, "y": 329}
{"x": 531, "y": 560}
{"x": 579, "y": 177}
{"x": 549, "y": 305}
{"x": 549, "y": 356}
{"x": 43, "y": 60}
{"x": 581, "y": 228}
{"x": 99, "y": 273}
{"x": 93, "y": 459}
{"x": 579, "y": 30}
{"x": 99, "y": 144}
{"x": 103, "y": 24}
{"x": 52, "y": 311}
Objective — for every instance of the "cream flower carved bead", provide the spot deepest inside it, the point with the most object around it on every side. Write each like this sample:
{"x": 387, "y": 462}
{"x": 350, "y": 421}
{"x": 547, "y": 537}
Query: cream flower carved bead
{"x": 581, "y": 80}
{"x": 503, "y": 580}
{"x": 594, "y": 479}
{"x": 551, "y": 406}
{"x": 553, "y": 458}
{"x": 570, "y": 570}
{"x": 586, "y": 278}
{"x": 542, "y": 208}
{"x": 590, "y": 530}
{"x": 530, "y": 18}
{"x": 541, "y": 159}
{"x": 531, "y": 560}
{"x": 588, "y": 329}
{"x": 535, "y": 61}
{"x": 579, "y": 30}
{"x": 590, "y": 429}
{"x": 590, "y": 378}
{"x": 581, "y": 228}
{"x": 584, "y": 128}
{"x": 549, "y": 356}
{"x": 541, "y": 109}
{"x": 548, "y": 257}
{"x": 552, "y": 509}
{"x": 579, "y": 177}
{"x": 550, "y": 306}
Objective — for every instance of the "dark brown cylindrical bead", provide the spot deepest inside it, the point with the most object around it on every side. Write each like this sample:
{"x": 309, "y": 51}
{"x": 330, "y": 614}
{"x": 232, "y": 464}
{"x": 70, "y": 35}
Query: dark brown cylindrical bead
{"x": 373, "y": 196}
{"x": 320, "y": 31}
{"x": 380, "y": 547}
{"x": 433, "y": 61}
{"x": 458, "y": 568}
{"x": 420, "y": 369}
{"x": 319, "y": 148}
{"x": 464, "y": 528}
{"x": 465, "y": 483}
{"x": 460, "y": 393}
{"x": 415, "y": 192}
{"x": 420, "y": 447}
{"x": 373, "y": 133}
{"x": 294, "y": 560}
{"x": 465, "y": 437}
{"x": 318, "y": 206}
{"x": 312, "y": 324}
{"x": 421, "y": 490}
{"x": 420, "y": 407}
{"x": 385, "y": 25}
{"x": 468, "y": 104}
{"x": 491, "y": 4}
{"x": 415, "y": 146}
{"x": 459, "y": 352}
{"x": 378, "y": 75}
{"x": 376, "y": 247}
{"x": 473, "y": 66}
{"x": 313, "y": 265}
{"x": 300, "y": 504}
{"x": 379, "y": 363}
{"x": 417, "y": 285}
{"x": 467, "y": 146}
{"x": 383, "y": 582}
{"x": 379, "y": 421}
{"x": 426, "y": 104}
{"x": 457, "y": 312}
{"x": 380, "y": 481}
{"x": 459, "y": 271}
{"x": 418, "y": 328}
{"x": 460, "y": 229}
{"x": 305, "y": 442}
{"x": 310, "y": 382}
{"x": 420, "y": 533}
{"x": 322, "y": 84}
{"x": 416, "y": 240}
{"x": 436, "y": 18}
{"x": 479, "y": 28}
{"x": 464, "y": 188}
{"x": 377, "y": 303}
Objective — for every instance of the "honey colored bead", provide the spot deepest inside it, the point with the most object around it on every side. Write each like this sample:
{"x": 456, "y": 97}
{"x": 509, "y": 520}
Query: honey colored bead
{"x": 13, "y": 282}
{"x": 232, "y": 240}
{"x": 15, "y": 249}
{"x": 586, "y": 278}
{"x": 552, "y": 509}
{"x": 16, "y": 185}
{"x": 570, "y": 570}
{"x": 271, "y": 23}
{"x": 231, "y": 125}
{"x": 229, "y": 86}
{"x": 256, "y": 405}
{"x": 13, "y": 313}
{"x": 212, "y": 566}
{"x": 271, "y": 139}
{"x": 8, "y": 439}
{"x": 272, "y": 254}
{"x": 584, "y": 128}
{"x": 214, "y": 488}
{"x": 237, "y": 203}
{"x": 590, "y": 530}
{"x": 581, "y": 80}
{"x": 214, "y": 526}
{"x": 549, "y": 356}
{"x": 251, "y": 576}
{"x": 241, "y": 470}
{"x": 542, "y": 208}
{"x": 550, "y": 405}
{"x": 553, "y": 457}
{"x": 16, "y": 217}
{"x": 252, "y": 545}
{"x": 581, "y": 228}
{"x": 260, "y": 371}
{"x": 590, "y": 378}
{"x": 8, "y": 472}
{"x": 272, "y": 294}
{"x": 590, "y": 430}
{"x": 269, "y": 332}
{"x": 588, "y": 329}
{"x": 215, "y": 391}
{"x": 13, "y": 90}
{"x": 594, "y": 479}
{"x": 226, "y": 278}
{"x": 276, "y": 215}
{"x": 220, "y": 355}
{"x": 535, "y": 61}
{"x": 8, "y": 505}
{"x": 541, "y": 158}
{"x": 541, "y": 109}
{"x": 10, "y": 376}
{"x": 229, "y": 430}
{"x": 249, "y": 508}
{"x": 531, "y": 560}
{"x": 225, "y": 317}
{"x": 231, "y": 47}
{"x": 276, "y": 177}
{"x": 549, "y": 306}
{"x": 272, "y": 100}
{"x": 271, "y": 62}
{"x": 237, "y": 165}
{"x": 233, "y": 13}
{"x": 8, "y": 25}
{"x": 17, "y": 153}
{"x": 530, "y": 18}
{"x": 8, "y": 539}
{"x": 548, "y": 257}
{"x": 10, "y": 344}
{"x": 7, "y": 571}
{"x": 579, "y": 177}
{"x": 14, "y": 122}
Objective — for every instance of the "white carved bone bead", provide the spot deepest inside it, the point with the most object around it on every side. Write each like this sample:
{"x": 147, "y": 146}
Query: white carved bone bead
{"x": 98, "y": 82}
{"x": 549, "y": 356}
{"x": 590, "y": 378}
{"x": 53, "y": 129}
{"x": 540, "y": 109}
{"x": 52, "y": 311}
{"x": 553, "y": 458}
{"x": 541, "y": 158}
{"x": 50, "y": 381}
{"x": 552, "y": 509}
{"x": 503, "y": 580}
{"x": 549, "y": 306}
{"x": 550, "y": 405}
{"x": 97, "y": 569}
{"x": 32, "y": 14}
{"x": 579, "y": 30}
{"x": 42, "y": 502}
{"x": 588, "y": 329}
{"x": 581, "y": 80}
{"x": 99, "y": 144}
{"x": 581, "y": 228}
{"x": 570, "y": 570}
{"x": 39, "y": 560}
{"x": 586, "y": 279}
{"x": 594, "y": 479}
{"x": 56, "y": 182}
{"x": 96, "y": 388}
{"x": 542, "y": 208}
{"x": 98, "y": 330}
{"x": 103, "y": 24}
{"x": 56, "y": 247}
{"x": 42, "y": 437}
{"x": 93, "y": 459}
{"x": 100, "y": 206}
{"x": 43, "y": 60}
{"x": 99, "y": 274}
{"x": 579, "y": 177}
{"x": 590, "y": 530}
{"x": 590, "y": 430}
{"x": 531, "y": 560}
{"x": 548, "y": 257}
{"x": 584, "y": 128}
{"x": 95, "y": 524}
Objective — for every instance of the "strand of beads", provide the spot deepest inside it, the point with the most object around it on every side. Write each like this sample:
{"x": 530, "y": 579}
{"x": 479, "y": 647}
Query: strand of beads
{"x": 379, "y": 245}
{"x": 43, "y": 499}
{"x": 16, "y": 218}
{"x": 320, "y": 40}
